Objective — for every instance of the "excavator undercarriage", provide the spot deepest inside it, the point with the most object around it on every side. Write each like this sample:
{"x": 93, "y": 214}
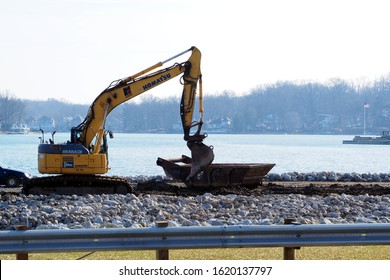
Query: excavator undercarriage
{"x": 77, "y": 184}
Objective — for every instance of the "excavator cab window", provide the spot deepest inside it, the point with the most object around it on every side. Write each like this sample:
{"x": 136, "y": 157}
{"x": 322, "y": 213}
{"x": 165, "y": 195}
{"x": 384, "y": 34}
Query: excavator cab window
{"x": 75, "y": 135}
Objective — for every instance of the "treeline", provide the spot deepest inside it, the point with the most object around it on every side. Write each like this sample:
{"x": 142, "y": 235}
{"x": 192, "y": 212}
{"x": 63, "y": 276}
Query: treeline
{"x": 336, "y": 106}
{"x": 49, "y": 115}
{"x": 11, "y": 110}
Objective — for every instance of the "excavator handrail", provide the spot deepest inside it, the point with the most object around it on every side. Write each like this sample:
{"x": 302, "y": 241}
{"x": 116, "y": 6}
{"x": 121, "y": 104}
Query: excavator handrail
{"x": 176, "y": 56}
{"x": 159, "y": 64}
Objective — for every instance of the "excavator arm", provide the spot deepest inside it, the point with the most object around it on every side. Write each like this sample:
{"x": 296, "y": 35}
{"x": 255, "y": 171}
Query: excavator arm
{"x": 91, "y": 132}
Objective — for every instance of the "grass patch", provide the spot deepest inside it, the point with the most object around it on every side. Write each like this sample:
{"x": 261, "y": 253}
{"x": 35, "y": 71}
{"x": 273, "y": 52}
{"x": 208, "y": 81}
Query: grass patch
{"x": 305, "y": 253}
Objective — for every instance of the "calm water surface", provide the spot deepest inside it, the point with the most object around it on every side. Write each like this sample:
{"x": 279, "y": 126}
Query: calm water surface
{"x": 136, "y": 154}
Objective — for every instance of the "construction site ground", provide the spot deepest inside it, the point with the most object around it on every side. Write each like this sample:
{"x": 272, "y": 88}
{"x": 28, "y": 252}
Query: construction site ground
{"x": 277, "y": 187}
{"x": 307, "y": 188}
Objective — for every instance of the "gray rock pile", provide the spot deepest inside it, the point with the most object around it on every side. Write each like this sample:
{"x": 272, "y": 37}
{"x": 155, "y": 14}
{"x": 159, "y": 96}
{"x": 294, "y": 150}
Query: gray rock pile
{"x": 329, "y": 176}
{"x": 118, "y": 211}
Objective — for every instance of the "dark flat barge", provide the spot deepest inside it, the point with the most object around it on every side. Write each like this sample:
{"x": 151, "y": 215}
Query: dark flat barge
{"x": 383, "y": 139}
{"x": 216, "y": 174}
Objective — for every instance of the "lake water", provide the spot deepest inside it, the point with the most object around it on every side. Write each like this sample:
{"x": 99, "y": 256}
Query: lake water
{"x": 136, "y": 154}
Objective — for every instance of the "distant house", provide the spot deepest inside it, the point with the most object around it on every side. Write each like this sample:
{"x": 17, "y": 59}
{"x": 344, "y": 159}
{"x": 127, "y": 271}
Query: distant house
{"x": 66, "y": 123}
{"x": 32, "y": 123}
{"x": 385, "y": 113}
{"x": 19, "y": 128}
{"x": 218, "y": 125}
{"x": 46, "y": 123}
{"x": 326, "y": 122}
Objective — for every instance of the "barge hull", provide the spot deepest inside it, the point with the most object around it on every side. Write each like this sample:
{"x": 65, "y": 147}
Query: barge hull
{"x": 216, "y": 175}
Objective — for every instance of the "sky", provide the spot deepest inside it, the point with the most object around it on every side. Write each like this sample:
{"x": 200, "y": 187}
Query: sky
{"x": 71, "y": 50}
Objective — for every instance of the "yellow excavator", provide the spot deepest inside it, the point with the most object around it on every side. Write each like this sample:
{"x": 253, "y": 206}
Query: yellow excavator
{"x": 78, "y": 162}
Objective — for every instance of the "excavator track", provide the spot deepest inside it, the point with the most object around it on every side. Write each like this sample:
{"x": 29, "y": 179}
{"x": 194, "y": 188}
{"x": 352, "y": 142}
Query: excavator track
{"x": 78, "y": 184}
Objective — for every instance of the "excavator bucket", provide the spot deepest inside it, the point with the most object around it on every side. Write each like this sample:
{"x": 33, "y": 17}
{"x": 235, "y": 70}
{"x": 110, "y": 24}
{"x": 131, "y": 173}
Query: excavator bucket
{"x": 202, "y": 156}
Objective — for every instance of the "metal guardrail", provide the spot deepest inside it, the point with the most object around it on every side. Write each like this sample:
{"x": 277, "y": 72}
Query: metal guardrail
{"x": 165, "y": 238}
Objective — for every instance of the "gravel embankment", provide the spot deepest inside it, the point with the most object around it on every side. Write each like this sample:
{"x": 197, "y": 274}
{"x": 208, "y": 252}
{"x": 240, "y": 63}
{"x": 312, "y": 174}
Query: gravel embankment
{"x": 267, "y": 205}
{"x": 329, "y": 177}
{"x": 143, "y": 210}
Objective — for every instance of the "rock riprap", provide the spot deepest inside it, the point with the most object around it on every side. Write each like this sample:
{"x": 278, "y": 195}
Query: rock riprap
{"x": 118, "y": 211}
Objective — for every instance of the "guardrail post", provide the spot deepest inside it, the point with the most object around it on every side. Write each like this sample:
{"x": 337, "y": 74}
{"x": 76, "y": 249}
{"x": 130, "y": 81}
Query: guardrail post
{"x": 289, "y": 252}
{"x": 162, "y": 254}
{"x": 22, "y": 256}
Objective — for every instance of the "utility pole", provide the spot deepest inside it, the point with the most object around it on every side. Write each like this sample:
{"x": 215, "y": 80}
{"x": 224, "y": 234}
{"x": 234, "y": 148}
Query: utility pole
{"x": 365, "y": 107}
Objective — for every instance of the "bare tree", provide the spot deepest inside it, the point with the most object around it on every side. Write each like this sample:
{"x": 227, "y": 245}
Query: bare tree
{"x": 11, "y": 110}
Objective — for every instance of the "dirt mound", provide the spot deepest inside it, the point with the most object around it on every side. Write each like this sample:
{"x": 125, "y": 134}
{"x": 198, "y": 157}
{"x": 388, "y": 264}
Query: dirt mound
{"x": 304, "y": 188}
